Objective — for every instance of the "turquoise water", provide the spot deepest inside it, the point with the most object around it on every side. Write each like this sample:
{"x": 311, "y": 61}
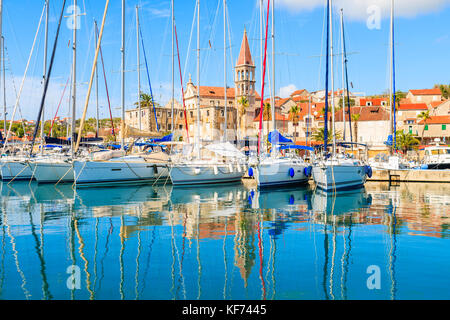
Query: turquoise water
{"x": 224, "y": 242}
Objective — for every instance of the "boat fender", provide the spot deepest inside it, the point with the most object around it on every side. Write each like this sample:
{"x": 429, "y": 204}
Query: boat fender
{"x": 307, "y": 171}
{"x": 368, "y": 171}
{"x": 230, "y": 168}
{"x": 216, "y": 170}
{"x": 197, "y": 171}
{"x": 250, "y": 172}
{"x": 155, "y": 169}
{"x": 424, "y": 167}
{"x": 291, "y": 172}
{"x": 291, "y": 200}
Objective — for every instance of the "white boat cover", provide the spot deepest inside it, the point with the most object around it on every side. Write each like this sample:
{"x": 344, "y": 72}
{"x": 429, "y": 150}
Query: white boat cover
{"x": 225, "y": 149}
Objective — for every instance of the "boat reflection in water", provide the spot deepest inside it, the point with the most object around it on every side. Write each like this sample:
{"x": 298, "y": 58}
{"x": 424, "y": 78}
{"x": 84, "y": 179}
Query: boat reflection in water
{"x": 220, "y": 242}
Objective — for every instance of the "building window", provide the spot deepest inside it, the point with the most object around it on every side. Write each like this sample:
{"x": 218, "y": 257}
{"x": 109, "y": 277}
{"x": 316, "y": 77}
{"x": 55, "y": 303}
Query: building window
{"x": 211, "y": 102}
{"x": 207, "y": 113}
{"x": 222, "y": 113}
{"x": 192, "y": 114}
{"x": 169, "y": 114}
{"x": 180, "y": 127}
{"x": 169, "y": 127}
{"x": 181, "y": 114}
{"x": 410, "y": 129}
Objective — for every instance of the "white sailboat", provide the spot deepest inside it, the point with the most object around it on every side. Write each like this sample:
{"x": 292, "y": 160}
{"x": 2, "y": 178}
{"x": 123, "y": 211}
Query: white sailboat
{"x": 19, "y": 166}
{"x": 226, "y": 162}
{"x": 54, "y": 169}
{"x": 277, "y": 169}
{"x": 115, "y": 167}
{"x": 336, "y": 172}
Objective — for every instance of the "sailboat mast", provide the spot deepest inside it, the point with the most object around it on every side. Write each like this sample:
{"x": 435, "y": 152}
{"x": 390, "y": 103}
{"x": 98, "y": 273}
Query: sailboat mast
{"x": 4, "y": 81}
{"x": 173, "y": 68}
{"x": 2, "y": 57}
{"x": 343, "y": 70}
{"x": 123, "y": 76}
{"x": 96, "y": 83}
{"x": 138, "y": 67}
{"x": 198, "y": 79}
{"x": 332, "y": 79}
{"x": 45, "y": 72}
{"x": 392, "y": 89}
{"x": 225, "y": 67}
{"x": 273, "y": 68}
{"x": 74, "y": 77}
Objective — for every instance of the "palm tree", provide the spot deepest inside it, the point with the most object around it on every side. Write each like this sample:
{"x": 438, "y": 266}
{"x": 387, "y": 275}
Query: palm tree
{"x": 424, "y": 115}
{"x": 355, "y": 118}
{"x": 243, "y": 105}
{"x": 319, "y": 135}
{"x": 406, "y": 141}
{"x": 293, "y": 114}
{"x": 267, "y": 111}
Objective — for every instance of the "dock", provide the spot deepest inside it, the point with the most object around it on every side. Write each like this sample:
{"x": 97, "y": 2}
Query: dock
{"x": 395, "y": 176}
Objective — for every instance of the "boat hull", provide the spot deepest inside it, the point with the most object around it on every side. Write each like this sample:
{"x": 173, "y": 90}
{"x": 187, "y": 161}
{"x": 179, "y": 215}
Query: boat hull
{"x": 17, "y": 170}
{"x": 278, "y": 174}
{"x": 109, "y": 173}
{"x": 438, "y": 166}
{"x": 339, "y": 177}
{"x": 48, "y": 172}
{"x": 198, "y": 175}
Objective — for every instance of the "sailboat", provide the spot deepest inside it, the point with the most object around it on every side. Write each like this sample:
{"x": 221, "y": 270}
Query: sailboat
{"x": 116, "y": 167}
{"x": 277, "y": 169}
{"x": 393, "y": 161}
{"x": 224, "y": 164}
{"x": 335, "y": 172}
{"x": 19, "y": 166}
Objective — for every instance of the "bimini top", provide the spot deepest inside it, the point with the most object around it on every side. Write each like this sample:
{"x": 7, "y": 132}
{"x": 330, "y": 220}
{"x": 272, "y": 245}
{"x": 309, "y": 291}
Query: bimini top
{"x": 275, "y": 137}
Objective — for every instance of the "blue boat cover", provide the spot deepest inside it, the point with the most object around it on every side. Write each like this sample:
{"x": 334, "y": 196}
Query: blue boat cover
{"x": 167, "y": 138}
{"x": 389, "y": 141}
{"x": 276, "y": 137}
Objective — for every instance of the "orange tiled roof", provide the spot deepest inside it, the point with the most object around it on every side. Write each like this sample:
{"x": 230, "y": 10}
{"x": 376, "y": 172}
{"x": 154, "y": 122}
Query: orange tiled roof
{"x": 437, "y": 120}
{"x": 412, "y": 106}
{"x": 423, "y": 92}
{"x": 435, "y": 104}
{"x": 278, "y": 117}
{"x": 375, "y": 101}
{"x": 373, "y": 113}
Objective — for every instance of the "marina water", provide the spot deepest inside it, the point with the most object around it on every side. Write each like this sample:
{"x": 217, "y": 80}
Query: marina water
{"x": 224, "y": 242}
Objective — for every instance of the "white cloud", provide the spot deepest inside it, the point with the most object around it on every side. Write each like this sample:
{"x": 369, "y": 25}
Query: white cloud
{"x": 357, "y": 9}
{"x": 287, "y": 90}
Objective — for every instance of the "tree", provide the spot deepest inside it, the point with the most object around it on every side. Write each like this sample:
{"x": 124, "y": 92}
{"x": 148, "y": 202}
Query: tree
{"x": 355, "y": 119}
{"x": 319, "y": 135}
{"x": 267, "y": 114}
{"x": 425, "y": 116}
{"x": 243, "y": 105}
{"x": 293, "y": 115}
{"x": 406, "y": 141}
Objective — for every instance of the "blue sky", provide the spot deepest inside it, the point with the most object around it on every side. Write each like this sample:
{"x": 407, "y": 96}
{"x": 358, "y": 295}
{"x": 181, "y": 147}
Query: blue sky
{"x": 422, "y": 46}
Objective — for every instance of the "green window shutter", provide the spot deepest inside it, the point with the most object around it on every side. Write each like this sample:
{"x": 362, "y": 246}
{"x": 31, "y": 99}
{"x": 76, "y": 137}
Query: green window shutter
{"x": 444, "y": 127}
{"x": 426, "y": 127}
